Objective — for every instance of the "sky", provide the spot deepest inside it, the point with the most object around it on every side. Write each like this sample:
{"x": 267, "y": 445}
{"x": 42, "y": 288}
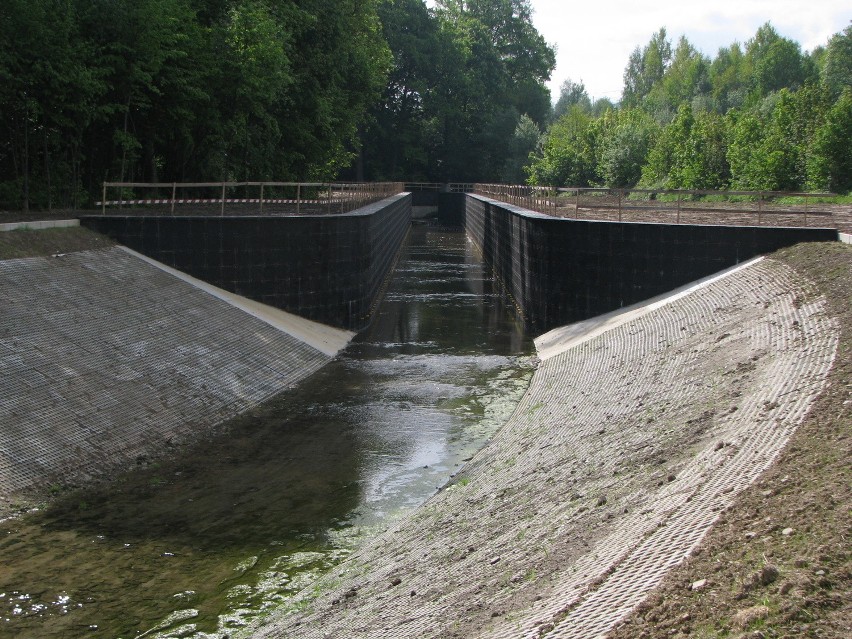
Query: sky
{"x": 594, "y": 38}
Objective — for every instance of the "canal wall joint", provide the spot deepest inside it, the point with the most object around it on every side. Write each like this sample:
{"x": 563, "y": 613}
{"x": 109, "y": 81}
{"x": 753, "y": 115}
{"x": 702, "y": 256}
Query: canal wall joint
{"x": 326, "y": 268}
{"x": 558, "y": 271}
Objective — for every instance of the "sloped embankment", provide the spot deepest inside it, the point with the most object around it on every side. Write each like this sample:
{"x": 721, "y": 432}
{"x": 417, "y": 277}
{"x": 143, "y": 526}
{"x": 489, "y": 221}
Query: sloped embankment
{"x": 777, "y": 563}
{"x": 104, "y": 357}
{"x": 625, "y": 450}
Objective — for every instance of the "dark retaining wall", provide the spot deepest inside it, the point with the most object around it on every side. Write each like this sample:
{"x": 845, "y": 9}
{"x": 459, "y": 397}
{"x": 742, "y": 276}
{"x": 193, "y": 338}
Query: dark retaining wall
{"x": 326, "y": 268}
{"x": 559, "y": 271}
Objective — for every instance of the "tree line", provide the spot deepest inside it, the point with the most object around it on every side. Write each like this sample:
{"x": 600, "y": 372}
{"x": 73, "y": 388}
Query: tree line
{"x": 180, "y": 90}
{"x": 764, "y": 116}
{"x": 283, "y": 90}
{"x": 298, "y": 90}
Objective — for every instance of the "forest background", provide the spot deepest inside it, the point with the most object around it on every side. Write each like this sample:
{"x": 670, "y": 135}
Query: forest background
{"x": 296, "y": 90}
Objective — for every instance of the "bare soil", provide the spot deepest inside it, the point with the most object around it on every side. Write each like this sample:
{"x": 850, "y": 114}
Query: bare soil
{"x": 777, "y": 563}
{"x": 837, "y": 216}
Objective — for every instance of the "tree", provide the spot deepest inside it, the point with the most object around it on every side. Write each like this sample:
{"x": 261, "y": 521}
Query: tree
{"x": 666, "y": 158}
{"x": 399, "y": 143}
{"x": 776, "y": 63}
{"x": 525, "y": 141}
{"x": 493, "y": 71}
{"x": 729, "y": 79}
{"x": 830, "y": 162}
{"x": 624, "y": 140}
{"x": 568, "y": 154}
{"x": 765, "y": 148}
{"x": 836, "y": 70}
{"x": 571, "y": 93}
{"x": 645, "y": 68}
{"x": 685, "y": 78}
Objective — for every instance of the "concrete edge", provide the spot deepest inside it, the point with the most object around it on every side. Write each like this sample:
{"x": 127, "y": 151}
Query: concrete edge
{"x": 563, "y": 338}
{"x": 38, "y": 225}
{"x": 326, "y": 339}
{"x": 846, "y": 238}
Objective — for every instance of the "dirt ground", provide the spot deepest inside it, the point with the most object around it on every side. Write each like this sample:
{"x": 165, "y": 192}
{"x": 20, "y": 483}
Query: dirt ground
{"x": 777, "y": 564}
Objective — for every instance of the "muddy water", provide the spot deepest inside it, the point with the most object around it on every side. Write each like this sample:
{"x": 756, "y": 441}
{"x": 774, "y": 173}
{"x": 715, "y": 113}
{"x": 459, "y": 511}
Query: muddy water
{"x": 201, "y": 543}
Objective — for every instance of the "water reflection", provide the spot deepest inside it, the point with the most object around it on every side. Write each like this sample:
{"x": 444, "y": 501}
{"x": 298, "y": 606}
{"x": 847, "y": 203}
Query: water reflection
{"x": 228, "y": 527}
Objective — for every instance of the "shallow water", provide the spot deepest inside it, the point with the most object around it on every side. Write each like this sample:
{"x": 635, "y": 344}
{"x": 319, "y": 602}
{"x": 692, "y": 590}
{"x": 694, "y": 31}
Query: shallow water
{"x": 227, "y": 528}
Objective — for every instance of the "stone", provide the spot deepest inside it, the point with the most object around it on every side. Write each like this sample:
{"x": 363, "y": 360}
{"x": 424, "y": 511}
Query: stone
{"x": 787, "y": 532}
{"x": 698, "y": 585}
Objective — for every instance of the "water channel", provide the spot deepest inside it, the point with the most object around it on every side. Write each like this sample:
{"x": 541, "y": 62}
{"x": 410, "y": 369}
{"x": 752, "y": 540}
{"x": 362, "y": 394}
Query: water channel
{"x": 201, "y": 542}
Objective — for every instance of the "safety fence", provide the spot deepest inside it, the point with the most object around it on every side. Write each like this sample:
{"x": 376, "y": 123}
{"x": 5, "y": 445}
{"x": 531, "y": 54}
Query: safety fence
{"x": 243, "y": 198}
{"x": 741, "y": 208}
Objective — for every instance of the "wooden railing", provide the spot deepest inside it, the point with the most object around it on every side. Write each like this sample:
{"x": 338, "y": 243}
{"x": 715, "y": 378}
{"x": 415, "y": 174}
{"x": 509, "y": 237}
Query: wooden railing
{"x": 671, "y": 206}
{"x": 244, "y": 198}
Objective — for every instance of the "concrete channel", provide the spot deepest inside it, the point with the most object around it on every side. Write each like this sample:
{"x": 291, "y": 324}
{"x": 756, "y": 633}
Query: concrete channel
{"x": 638, "y": 429}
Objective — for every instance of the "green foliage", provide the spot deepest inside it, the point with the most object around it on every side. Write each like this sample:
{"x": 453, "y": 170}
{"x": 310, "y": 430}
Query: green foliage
{"x": 170, "y": 90}
{"x": 776, "y": 63}
{"x": 836, "y": 71}
{"x": 463, "y": 77}
{"x": 624, "y": 140}
{"x": 766, "y": 117}
{"x": 646, "y": 68}
{"x": 178, "y": 90}
{"x": 570, "y": 94}
{"x": 830, "y": 162}
{"x": 685, "y": 78}
{"x": 525, "y": 141}
{"x": 568, "y": 156}
{"x": 728, "y": 79}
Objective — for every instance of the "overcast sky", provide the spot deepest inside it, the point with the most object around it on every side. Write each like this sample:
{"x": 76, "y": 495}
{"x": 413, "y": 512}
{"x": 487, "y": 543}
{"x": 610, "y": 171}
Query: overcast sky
{"x": 594, "y": 38}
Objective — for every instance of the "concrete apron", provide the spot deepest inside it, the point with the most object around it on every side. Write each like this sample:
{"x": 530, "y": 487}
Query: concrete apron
{"x": 326, "y": 339}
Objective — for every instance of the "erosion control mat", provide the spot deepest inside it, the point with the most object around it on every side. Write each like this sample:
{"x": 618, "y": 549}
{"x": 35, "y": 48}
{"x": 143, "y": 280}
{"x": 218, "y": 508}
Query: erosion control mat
{"x": 624, "y": 452}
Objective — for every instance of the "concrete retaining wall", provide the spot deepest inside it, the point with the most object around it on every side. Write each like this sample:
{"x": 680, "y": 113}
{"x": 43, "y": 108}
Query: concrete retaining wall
{"x": 559, "y": 271}
{"x": 326, "y": 268}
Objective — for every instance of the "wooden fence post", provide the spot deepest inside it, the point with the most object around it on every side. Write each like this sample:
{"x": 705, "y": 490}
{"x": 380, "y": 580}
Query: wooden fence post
{"x": 678, "y": 206}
